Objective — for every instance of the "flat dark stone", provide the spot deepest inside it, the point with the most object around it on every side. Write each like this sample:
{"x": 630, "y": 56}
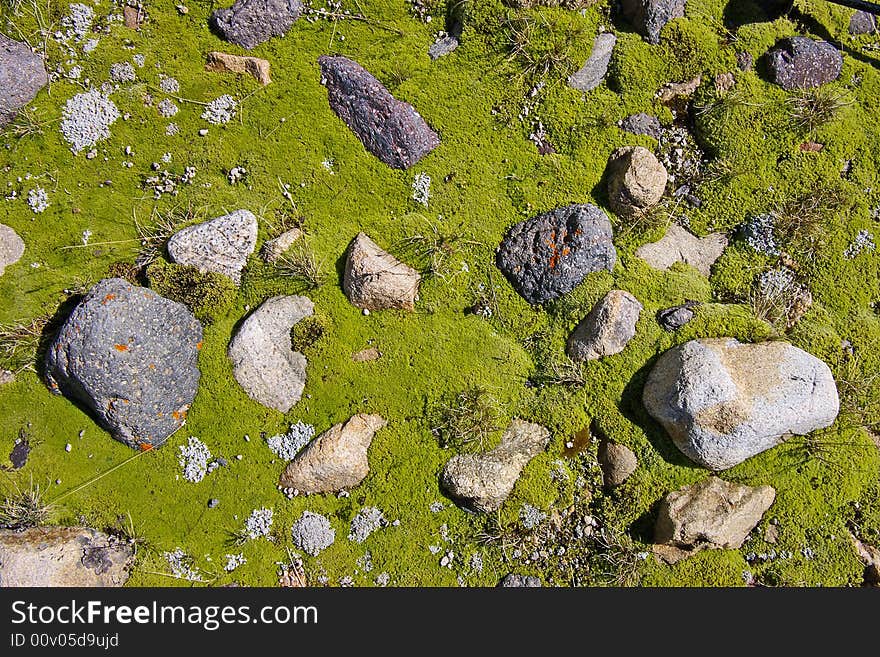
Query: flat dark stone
{"x": 642, "y": 124}
{"x": 649, "y": 16}
{"x": 390, "y": 129}
{"x": 802, "y": 63}
{"x": 674, "y": 318}
{"x": 19, "y": 454}
{"x": 550, "y": 254}
{"x": 248, "y": 23}
{"x": 22, "y": 75}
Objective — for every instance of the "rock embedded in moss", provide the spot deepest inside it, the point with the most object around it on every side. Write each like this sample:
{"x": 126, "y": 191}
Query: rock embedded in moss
{"x": 591, "y": 74}
{"x": 376, "y": 280}
{"x": 248, "y": 23}
{"x": 263, "y": 360}
{"x": 680, "y": 245}
{"x": 22, "y": 75}
{"x": 547, "y": 256}
{"x": 514, "y": 580}
{"x": 221, "y": 62}
{"x": 336, "y": 460}
{"x": 642, "y": 124}
{"x": 649, "y": 16}
{"x": 675, "y": 317}
{"x": 220, "y": 245}
{"x": 62, "y": 557}
{"x": 129, "y": 357}
{"x": 390, "y": 129}
{"x": 862, "y": 22}
{"x": 276, "y": 247}
{"x": 481, "y": 482}
{"x": 607, "y": 328}
{"x": 618, "y": 462}
{"x": 711, "y": 514}
{"x": 636, "y": 181}
{"x": 722, "y": 401}
{"x": 11, "y": 247}
{"x": 803, "y": 63}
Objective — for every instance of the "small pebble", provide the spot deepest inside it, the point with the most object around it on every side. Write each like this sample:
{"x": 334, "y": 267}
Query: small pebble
{"x": 57, "y": 482}
{"x": 366, "y": 311}
{"x": 213, "y": 503}
{"x": 203, "y": 132}
{"x": 68, "y": 447}
{"x": 239, "y": 457}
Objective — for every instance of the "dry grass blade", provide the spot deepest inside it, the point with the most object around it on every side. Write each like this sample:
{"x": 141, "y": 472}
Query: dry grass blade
{"x": 301, "y": 265}
{"x": 802, "y": 217}
{"x": 561, "y": 371}
{"x": 25, "y": 508}
{"x": 615, "y": 558}
{"x": 541, "y": 50}
{"x": 434, "y": 249}
{"x": 154, "y": 236}
{"x": 813, "y": 108}
{"x": 20, "y": 343}
{"x": 467, "y": 419}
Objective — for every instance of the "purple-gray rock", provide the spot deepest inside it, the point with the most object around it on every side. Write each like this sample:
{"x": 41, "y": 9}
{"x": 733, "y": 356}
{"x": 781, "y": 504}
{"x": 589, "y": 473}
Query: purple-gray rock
{"x": 649, "y": 16}
{"x": 22, "y": 75}
{"x": 248, "y": 23}
{"x": 862, "y": 22}
{"x": 512, "y": 580}
{"x": 593, "y": 71}
{"x": 129, "y": 358}
{"x": 802, "y": 63}
{"x": 389, "y": 128}
{"x": 674, "y": 318}
{"x": 550, "y": 254}
{"x": 642, "y": 124}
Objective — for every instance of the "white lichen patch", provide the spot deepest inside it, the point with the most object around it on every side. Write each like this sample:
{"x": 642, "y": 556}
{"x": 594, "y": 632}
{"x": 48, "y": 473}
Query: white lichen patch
{"x": 86, "y": 119}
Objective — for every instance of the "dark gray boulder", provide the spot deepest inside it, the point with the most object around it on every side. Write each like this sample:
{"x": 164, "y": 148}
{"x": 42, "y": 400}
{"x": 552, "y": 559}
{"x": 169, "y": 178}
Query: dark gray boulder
{"x": 22, "y": 75}
{"x": 862, "y": 22}
{"x": 248, "y": 23}
{"x": 642, "y": 124}
{"x": 675, "y": 317}
{"x": 649, "y": 16}
{"x": 513, "y": 580}
{"x": 128, "y": 357}
{"x": 390, "y": 129}
{"x": 591, "y": 74}
{"x": 802, "y": 63}
{"x": 550, "y": 254}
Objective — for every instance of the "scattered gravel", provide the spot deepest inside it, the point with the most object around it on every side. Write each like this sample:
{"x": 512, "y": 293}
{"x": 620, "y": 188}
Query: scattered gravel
{"x": 312, "y": 533}
{"x": 86, "y": 119}
{"x": 122, "y": 72}
{"x": 437, "y": 507}
{"x": 421, "y": 188}
{"x": 287, "y": 445}
{"x": 530, "y": 517}
{"x": 182, "y": 565}
{"x": 863, "y": 242}
{"x": 194, "y": 459}
{"x": 221, "y": 110}
{"x": 233, "y": 561}
{"x": 383, "y": 579}
{"x": 167, "y": 108}
{"x": 259, "y": 523}
{"x": 368, "y": 520}
{"x": 38, "y": 200}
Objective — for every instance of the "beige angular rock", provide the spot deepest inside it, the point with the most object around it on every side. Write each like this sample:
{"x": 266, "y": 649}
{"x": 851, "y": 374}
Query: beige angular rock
{"x": 481, "y": 482}
{"x": 607, "y": 328}
{"x": 679, "y": 245}
{"x": 376, "y": 280}
{"x": 366, "y": 355}
{"x": 11, "y": 247}
{"x": 336, "y": 460}
{"x": 221, "y": 62}
{"x": 711, "y": 514}
{"x": 618, "y": 462}
{"x": 63, "y": 556}
{"x": 636, "y": 181}
{"x": 275, "y": 248}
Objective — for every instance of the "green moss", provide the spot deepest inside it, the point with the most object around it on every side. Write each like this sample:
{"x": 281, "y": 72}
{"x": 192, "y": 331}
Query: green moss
{"x": 207, "y": 294}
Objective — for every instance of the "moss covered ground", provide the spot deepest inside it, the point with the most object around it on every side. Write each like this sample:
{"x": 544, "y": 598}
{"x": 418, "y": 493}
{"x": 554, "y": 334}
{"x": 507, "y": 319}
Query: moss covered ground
{"x": 305, "y": 167}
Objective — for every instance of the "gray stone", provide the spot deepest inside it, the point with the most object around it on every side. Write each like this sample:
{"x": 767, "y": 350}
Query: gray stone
{"x": 711, "y": 514}
{"x": 376, "y": 280}
{"x": 642, "y": 124}
{"x": 275, "y": 248}
{"x": 129, "y": 357}
{"x": 6, "y": 377}
{"x": 390, "y": 129}
{"x": 549, "y": 255}
{"x": 22, "y": 75}
{"x": 679, "y": 245}
{"x": 744, "y": 61}
{"x": 512, "y": 580}
{"x": 248, "y": 23}
{"x": 649, "y": 16}
{"x": 220, "y": 245}
{"x": 11, "y": 247}
{"x": 862, "y": 22}
{"x": 447, "y": 43}
{"x": 607, "y": 328}
{"x": 263, "y": 360}
{"x": 636, "y": 181}
{"x": 481, "y": 482}
{"x": 722, "y": 402}
{"x": 618, "y": 462}
{"x": 336, "y": 460}
{"x": 802, "y": 63}
{"x": 63, "y": 556}
{"x": 593, "y": 71}
{"x": 674, "y": 318}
